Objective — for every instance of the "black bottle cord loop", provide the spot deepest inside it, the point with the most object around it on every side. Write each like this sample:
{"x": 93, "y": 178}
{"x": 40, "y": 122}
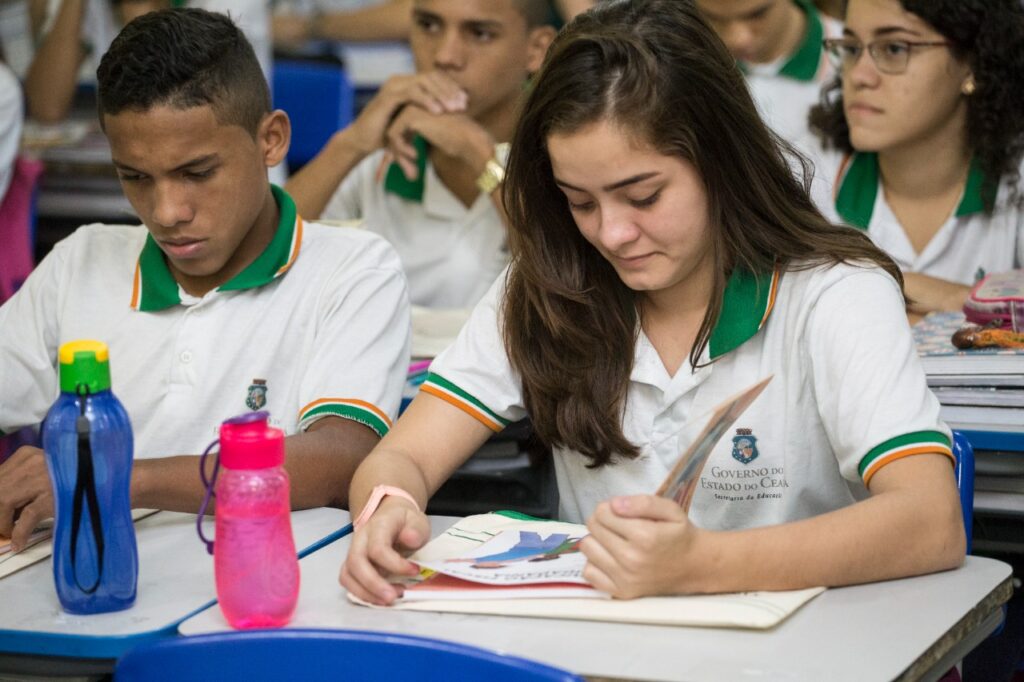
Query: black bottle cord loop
{"x": 85, "y": 493}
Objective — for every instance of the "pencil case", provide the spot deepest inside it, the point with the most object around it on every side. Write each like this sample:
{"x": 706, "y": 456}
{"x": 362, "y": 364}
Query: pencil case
{"x": 998, "y": 301}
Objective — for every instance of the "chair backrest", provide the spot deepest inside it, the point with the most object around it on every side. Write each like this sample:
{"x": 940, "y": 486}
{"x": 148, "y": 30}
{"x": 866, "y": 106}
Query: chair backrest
{"x": 964, "y": 471}
{"x": 312, "y": 655}
{"x": 16, "y": 259}
{"x": 318, "y": 97}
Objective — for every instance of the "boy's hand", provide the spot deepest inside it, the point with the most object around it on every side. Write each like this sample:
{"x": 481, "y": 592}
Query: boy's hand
{"x": 434, "y": 91}
{"x": 26, "y": 497}
{"x": 638, "y": 546}
{"x": 453, "y": 134}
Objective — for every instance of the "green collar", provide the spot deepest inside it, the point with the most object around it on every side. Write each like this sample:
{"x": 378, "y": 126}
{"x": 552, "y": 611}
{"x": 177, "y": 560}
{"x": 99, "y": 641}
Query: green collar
{"x": 396, "y": 182}
{"x": 858, "y": 190}
{"x": 746, "y": 304}
{"x": 156, "y": 289}
{"x": 804, "y": 63}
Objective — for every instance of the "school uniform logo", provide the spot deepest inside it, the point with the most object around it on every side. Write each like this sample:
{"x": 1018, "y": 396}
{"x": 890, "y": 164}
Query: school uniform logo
{"x": 257, "y": 396}
{"x": 744, "y": 446}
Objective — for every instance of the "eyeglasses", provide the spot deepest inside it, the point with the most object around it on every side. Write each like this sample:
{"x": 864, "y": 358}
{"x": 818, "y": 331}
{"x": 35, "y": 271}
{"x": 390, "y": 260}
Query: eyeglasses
{"x": 889, "y": 56}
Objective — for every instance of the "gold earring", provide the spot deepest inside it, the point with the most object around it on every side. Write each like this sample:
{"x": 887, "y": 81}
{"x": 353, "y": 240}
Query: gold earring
{"x": 969, "y": 86}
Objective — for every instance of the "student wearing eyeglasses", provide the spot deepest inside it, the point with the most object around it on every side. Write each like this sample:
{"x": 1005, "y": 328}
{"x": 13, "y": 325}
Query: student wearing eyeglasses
{"x": 924, "y": 133}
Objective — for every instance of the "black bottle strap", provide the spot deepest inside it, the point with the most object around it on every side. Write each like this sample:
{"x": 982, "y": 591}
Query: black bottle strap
{"x": 85, "y": 491}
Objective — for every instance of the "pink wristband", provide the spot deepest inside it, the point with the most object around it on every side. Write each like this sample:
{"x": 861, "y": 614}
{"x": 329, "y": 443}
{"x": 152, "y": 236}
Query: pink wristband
{"x": 376, "y": 497}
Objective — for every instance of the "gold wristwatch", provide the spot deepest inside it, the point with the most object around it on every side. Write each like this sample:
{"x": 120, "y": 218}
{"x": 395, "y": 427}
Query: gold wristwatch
{"x": 494, "y": 171}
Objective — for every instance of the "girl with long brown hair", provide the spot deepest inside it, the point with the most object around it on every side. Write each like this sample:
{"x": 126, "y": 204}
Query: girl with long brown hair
{"x": 664, "y": 256}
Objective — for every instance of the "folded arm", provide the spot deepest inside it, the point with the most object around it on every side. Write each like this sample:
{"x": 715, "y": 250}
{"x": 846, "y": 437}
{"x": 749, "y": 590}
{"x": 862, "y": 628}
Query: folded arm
{"x": 53, "y": 75}
{"x": 313, "y": 186}
{"x": 926, "y": 294}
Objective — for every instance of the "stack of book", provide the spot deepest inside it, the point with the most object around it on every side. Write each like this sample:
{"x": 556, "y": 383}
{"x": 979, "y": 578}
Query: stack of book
{"x": 981, "y": 392}
{"x": 979, "y": 389}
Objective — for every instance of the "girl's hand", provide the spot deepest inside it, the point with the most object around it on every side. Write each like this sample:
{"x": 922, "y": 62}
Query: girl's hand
{"x": 640, "y": 545}
{"x": 379, "y": 548}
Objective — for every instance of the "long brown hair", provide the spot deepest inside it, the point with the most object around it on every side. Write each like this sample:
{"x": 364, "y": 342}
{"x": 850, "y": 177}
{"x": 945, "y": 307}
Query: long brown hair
{"x": 570, "y": 326}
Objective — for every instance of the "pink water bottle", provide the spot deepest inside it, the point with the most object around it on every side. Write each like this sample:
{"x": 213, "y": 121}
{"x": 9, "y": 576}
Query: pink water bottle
{"x": 255, "y": 565}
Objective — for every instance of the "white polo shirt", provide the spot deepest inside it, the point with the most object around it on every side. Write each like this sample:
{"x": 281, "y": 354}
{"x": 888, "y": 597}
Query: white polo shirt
{"x": 451, "y": 254}
{"x": 786, "y": 89}
{"x": 848, "y": 397}
{"x": 971, "y": 243}
{"x": 317, "y": 325}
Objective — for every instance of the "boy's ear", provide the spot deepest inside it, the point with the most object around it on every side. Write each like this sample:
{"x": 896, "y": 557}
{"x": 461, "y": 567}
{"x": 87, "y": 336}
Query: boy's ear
{"x": 273, "y": 137}
{"x": 538, "y": 42}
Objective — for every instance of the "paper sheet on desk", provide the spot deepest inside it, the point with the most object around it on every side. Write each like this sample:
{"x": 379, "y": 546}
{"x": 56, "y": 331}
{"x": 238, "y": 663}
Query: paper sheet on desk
{"x": 749, "y": 610}
{"x": 754, "y": 610}
{"x": 11, "y": 562}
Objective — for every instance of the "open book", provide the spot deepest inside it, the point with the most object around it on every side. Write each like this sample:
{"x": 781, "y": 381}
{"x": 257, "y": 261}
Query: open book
{"x": 541, "y": 576}
{"x": 502, "y": 556}
{"x": 508, "y": 564}
{"x": 39, "y": 546}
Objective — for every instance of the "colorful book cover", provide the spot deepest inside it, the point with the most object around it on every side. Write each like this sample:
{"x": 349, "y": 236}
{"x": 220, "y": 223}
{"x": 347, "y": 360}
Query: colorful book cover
{"x": 502, "y": 556}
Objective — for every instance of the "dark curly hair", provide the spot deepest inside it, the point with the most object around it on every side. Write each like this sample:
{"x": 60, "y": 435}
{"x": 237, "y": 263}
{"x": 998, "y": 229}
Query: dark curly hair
{"x": 989, "y": 35}
{"x": 184, "y": 58}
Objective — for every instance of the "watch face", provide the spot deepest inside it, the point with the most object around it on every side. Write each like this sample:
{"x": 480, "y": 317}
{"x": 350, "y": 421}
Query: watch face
{"x": 492, "y": 176}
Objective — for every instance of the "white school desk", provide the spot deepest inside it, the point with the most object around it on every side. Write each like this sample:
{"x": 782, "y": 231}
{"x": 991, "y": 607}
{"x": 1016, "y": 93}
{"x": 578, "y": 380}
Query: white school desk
{"x": 175, "y": 581}
{"x": 915, "y": 628}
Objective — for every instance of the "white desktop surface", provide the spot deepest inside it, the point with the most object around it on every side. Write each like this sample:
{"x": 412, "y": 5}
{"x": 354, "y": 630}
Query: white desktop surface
{"x": 175, "y": 580}
{"x": 866, "y": 632}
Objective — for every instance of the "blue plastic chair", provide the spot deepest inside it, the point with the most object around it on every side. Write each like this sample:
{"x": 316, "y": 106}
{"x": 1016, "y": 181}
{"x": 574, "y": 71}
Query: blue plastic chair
{"x": 964, "y": 471}
{"x": 312, "y": 655}
{"x": 318, "y": 97}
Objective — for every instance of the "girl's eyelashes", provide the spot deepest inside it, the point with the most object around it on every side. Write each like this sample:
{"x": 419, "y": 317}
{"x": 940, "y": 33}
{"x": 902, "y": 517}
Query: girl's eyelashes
{"x": 648, "y": 201}
{"x": 581, "y": 207}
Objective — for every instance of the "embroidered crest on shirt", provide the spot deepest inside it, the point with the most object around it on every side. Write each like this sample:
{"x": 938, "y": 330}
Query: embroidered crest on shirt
{"x": 257, "y": 396}
{"x": 744, "y": 446}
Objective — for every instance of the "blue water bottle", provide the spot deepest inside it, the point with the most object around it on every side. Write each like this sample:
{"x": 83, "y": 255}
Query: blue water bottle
{"x": 88, "y": 443}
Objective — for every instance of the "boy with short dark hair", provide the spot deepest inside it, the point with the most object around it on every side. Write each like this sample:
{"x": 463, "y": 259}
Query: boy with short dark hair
{"x": 422, "y": 162}
{"x": 226, "y": 302}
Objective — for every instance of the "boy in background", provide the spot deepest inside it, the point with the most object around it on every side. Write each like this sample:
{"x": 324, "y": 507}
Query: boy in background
{"x": 778, "y": 45}
{"x": 226, "y": 301}
{"x": 422, "y": 162}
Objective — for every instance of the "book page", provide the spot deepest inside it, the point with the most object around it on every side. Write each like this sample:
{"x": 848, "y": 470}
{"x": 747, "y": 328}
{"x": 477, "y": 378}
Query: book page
{"x": 38, "y": 536}
{"x": 751, "y": 610}
{"x": 42, "y": 547}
